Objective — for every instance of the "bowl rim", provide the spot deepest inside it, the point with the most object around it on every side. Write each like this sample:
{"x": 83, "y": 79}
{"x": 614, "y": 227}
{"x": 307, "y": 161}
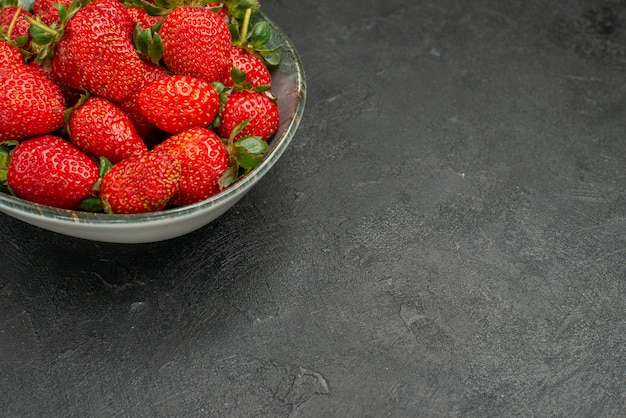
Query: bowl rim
{"x": 11, "y": 204}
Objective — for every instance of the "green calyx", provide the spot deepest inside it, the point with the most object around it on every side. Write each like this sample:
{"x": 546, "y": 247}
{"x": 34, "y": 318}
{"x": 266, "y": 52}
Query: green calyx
{"x": 245, "y": 154}
{"x": 5, "y": 158}
{"x": 148, "y": 42}
{"x": 255, "y": 36}
{"x": 45, "y": 37}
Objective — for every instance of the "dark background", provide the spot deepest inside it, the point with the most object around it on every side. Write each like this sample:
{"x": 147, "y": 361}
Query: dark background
{"x": 446, "y": 236}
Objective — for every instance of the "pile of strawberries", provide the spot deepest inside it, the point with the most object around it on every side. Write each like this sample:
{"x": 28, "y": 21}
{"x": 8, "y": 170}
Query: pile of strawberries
{"x": 132, "y": 106}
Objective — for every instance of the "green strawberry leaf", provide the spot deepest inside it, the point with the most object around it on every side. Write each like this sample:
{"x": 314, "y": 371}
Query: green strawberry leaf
{"x": 229, "y": 176}
{"x": 155, "y": 49}
{"x": 248, "y": 152}
{"x": 157, "y": 9}
{"x": 260, "y": 35}
{"x": 92, "y": 204}
{"x": 142, "y": 39}
{"x": 20, "y": 41}
{"x": 238, "y": 129}
{"x": 63, "y": 14}
{"x": 238, "y": 76}
{"x": 237, "y": 8}
{"x": 264, "y": 88}
{"x": 218, "y": 87}
{"x": 5, "y": 157}
{"x": 148, "y": 43}
{"x": 104, "y": 166}
{"x": 41, "y": 36}
{"x": 270, "y": 56}
{"x": 234, "y": 30}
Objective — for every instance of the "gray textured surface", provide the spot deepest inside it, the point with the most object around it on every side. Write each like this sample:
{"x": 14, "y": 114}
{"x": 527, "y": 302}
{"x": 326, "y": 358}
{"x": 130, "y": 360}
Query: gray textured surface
{"x": 445, "y": 237}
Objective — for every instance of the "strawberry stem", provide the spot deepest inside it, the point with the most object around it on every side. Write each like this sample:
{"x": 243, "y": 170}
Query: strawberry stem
{"x": 244, "y": 28}
{"x": 16, "y": 15}
{"x": 41, "y": 26}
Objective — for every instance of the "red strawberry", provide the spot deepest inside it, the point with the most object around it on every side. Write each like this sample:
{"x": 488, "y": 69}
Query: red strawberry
{"x": 51, "y": 171}
{"x": 257, "y": 73}
{"x": 70, "y": 94}
{"x": 131, "y": 108}
{"x": 96, "y": 52}
{"x": 196, "y": 42}
{"x": 259, "y": 108}
{"x": 178, "y": 102}
{"x": 21, "y": 25}
{"x": 10, "y": 55}
{"x": 141, "y": 183}
{"x": 100, "y": 128}
{"x": 30, "y": 104}
{"x": 203, "y": 158}
{"x": 47, "y": 12}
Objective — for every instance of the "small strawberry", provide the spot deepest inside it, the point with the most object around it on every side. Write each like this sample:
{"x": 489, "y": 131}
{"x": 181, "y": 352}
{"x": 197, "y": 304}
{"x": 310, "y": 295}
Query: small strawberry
{"x": 141, "y": 183}
{"x": 196, "y": 42}
{"x": 96, "y": 52}
{"x": 100, "y": 128}
{"x": 30, "y": 103}
{"x": 256, "y": 73}
{"x": 179, "y": 102}
{"x": 261, "y": 111}
{"x": 47, "y": 12}
{"x": 49, "y": 170}
{"x": 203, "y": 158}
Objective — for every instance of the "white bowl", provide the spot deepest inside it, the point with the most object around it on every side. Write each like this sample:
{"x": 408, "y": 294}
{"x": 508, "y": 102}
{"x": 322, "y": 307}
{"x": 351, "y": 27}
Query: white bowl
{"x": 288, "y": 85}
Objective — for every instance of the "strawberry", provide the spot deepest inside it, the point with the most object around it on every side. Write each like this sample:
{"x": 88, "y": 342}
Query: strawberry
{"x": 131, "y": 108}
{"x": 47, "y": 12}
{"x": 70, "y": 95}
{"x": 196, "y": 42}
{"x": 10, "y": 55}
{"x": 96, "y": 52}
{"x": 16, "y": 25}
{"x": 100, "y": 128}
{"x": 51, "y": 171}
{"x": 203, "y": 159}
{"x": 256, "y": 73}
{"x": 141, "y": 183}
{"x": 30, "y": 104}
{"x": 178, "y": 102}
{"x": 260, "y": 109}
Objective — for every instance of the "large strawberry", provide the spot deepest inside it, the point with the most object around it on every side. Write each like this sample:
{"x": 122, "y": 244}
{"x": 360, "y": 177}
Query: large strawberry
{"x": 179, "y": 102}
{"x": 141, "y": 183}
{"x": 203, "y": 158}
{"x": 96, "y": 52}
{"x": 258, "y": 109}
{"x": 30, "y": 103}
{"x": 196, "y": 42}
{"x": 51, "y": 171}
{"x": 100, "y": 128}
